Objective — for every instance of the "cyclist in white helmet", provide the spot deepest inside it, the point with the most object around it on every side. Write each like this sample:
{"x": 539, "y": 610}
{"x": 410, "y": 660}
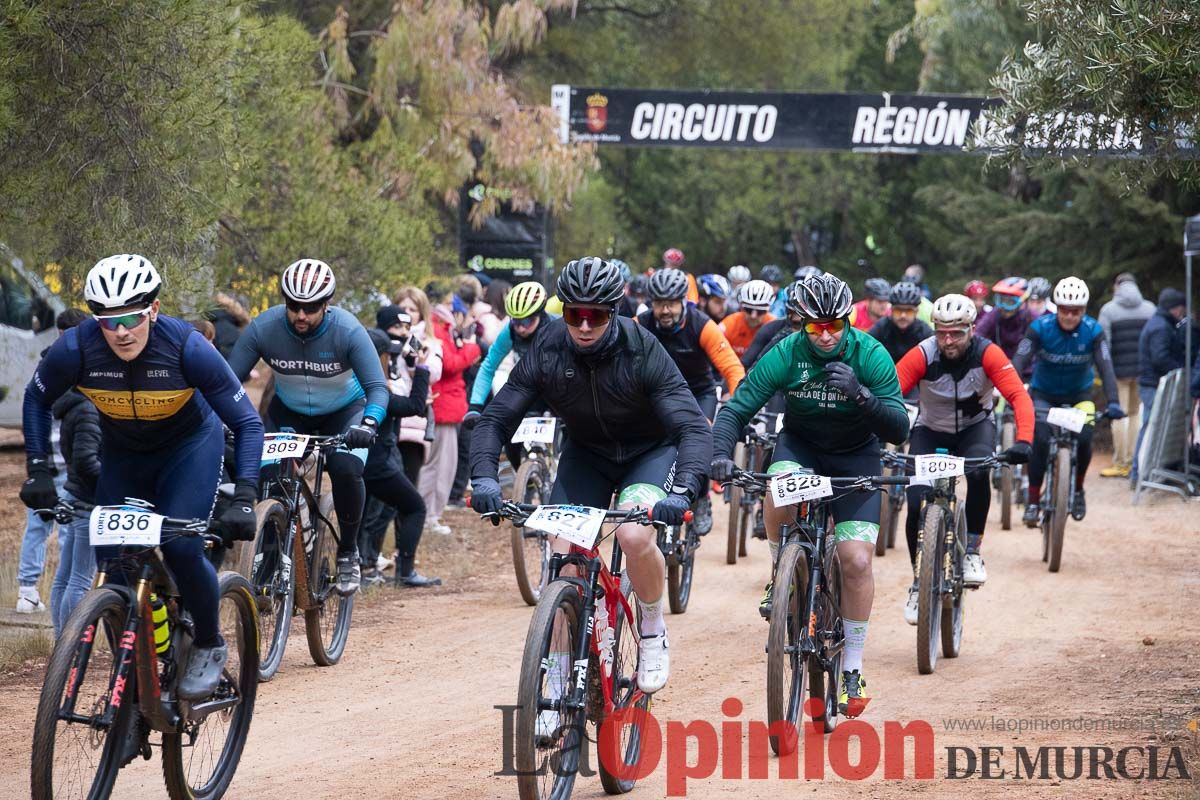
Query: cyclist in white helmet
{"x": 328, "y": 381}
{"x": 755, "y": 298}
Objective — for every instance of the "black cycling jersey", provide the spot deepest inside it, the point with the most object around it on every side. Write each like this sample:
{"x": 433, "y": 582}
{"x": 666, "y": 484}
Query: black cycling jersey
{"x": 620, "y": 401}
{"x": 898, "y": 342}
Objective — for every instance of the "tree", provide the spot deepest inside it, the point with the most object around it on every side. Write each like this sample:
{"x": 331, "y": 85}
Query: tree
{"x": 1121, "y": 74}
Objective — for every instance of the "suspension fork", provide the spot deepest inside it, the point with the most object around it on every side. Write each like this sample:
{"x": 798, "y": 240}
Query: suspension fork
{"x": 581, "y": 658}
{"x": 125, "y": 656}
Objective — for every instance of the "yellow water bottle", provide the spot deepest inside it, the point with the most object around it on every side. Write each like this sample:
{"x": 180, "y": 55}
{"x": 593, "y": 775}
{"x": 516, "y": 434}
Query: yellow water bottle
{"x": 162, "y": 629}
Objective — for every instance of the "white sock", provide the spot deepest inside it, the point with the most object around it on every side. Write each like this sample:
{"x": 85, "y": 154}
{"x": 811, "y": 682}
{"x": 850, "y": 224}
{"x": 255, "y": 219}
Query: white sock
{"x": 774, "y": 551}
{"x": 856, "y": 640}
{"x": 653, "y": 623}
{"x": 557, "y": 674}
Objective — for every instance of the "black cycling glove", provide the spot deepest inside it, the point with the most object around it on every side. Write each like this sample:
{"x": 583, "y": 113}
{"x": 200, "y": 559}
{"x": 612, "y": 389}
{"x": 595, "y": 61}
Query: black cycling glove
{"x": 361, "y": 435}
{"x": 237, "y": 522}
{"x": 39, "y": 491}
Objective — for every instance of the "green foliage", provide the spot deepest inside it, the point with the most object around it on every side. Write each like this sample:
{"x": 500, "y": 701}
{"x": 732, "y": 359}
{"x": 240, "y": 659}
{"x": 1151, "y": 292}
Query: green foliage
{"x": 1125, "y": 65}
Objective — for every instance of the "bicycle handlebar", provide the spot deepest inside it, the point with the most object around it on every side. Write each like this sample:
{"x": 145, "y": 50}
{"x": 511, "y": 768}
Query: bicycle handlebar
{"x": 65, "y": 512}
{"x": 977, "y": 462}
{"x": 519, "y": 512}
{"x": 759, "y": 480}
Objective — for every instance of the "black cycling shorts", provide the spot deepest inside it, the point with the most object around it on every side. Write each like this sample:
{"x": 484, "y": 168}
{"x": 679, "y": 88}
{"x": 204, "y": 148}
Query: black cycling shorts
{"x": 586, "y": 479}
{"x": 856, "y": 513}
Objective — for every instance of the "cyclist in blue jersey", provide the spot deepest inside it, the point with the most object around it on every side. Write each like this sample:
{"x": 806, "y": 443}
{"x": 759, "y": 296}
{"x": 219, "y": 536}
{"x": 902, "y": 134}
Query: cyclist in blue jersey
{"x": 328, "y": 382}
{"x": 162, "y": 392}
{"x": 1066, "y": 346}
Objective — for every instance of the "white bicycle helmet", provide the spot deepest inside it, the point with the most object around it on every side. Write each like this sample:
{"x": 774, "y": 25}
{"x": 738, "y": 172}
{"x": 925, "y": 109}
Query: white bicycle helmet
{"x": 307, "y": 280}
{"x": 1071, "y": 292}
{"x": 122, "y": 280}
{"x": 954, "y": 309}
{"x": 756, "y": 294}
{"x": 739, "y": 274}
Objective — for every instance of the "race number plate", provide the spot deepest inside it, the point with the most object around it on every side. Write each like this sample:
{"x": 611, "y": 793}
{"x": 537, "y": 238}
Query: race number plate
{"x": 579, "y": 525}
{"x": 1072, "y": 419}
{"x": 790, "y": 488}
{"x": 932, "y": 467}
{"x": 278, "y": 446}
{"x": 114, "y": 525}
{"x": 535, "y": 429}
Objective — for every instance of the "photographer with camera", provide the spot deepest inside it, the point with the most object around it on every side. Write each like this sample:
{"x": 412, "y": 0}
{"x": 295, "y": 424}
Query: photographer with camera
{"x": 392, "y": 494}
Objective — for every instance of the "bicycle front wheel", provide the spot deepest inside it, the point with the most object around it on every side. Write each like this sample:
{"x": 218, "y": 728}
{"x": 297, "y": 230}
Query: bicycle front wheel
{"x": 1060, "y": 492}
{"x": 200, "y": 758}
{"x": 733, "y": 534}
{"x": 786, "y": 665}
{"x": 530, "y": 548}
{"x": 929, "y": 596}
{"x": 1006, "y": 479}
{"x": 549, "y": 735}
{"x": 953, "y": 605}
{"x": 327, "y": 623}
{"x": 74, "y": 756}
{"x": 268, "y": 566}
{"x": 681, "y": 572}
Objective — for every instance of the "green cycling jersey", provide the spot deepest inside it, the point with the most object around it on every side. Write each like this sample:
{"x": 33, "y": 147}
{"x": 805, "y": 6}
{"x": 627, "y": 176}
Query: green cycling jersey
{"x": 816, "y": 412}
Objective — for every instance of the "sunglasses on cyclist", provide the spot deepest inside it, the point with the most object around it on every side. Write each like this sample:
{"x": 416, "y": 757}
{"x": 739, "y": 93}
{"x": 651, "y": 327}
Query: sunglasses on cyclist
{"x": 524, "y": 322}
{"x": 307, "y": 308}
{"x": 954, "y": 334}
{"x": 1007, "y": 302}
{"x": 575, "y": 316}
{"x": 755, "y": 312}
{"x": 816, "y": 328}
{"x": 903, "y": 311}
{"x": 131, "y": 320}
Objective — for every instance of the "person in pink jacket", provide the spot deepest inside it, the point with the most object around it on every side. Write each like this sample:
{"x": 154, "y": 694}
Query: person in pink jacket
{"x": 453, "y": 325}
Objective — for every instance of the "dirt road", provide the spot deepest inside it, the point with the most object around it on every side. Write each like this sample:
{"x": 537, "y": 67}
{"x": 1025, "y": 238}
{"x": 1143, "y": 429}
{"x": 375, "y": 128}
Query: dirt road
{"x": 1107, "y": 644}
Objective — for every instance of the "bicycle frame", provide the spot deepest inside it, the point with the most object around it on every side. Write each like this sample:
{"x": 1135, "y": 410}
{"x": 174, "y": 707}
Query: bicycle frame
{"x": 811, "y": 531}
{"x": 135, "y": 656}
{"x": 601, "y": 584}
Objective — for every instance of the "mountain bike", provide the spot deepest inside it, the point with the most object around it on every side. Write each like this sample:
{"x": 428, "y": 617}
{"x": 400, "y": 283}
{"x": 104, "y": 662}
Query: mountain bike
{"x": 112, "y": 679}
{"x": 891, "y": 502}
{"x": 941, "y": 550}
{"x": 805, "y": 640}
{"x": 753, "y": 452}
{"x": 532, "y": 485}
{"x": 580, "y": 659}
{"x": 292, "y": 564}
{"x": 1058, "y": 497}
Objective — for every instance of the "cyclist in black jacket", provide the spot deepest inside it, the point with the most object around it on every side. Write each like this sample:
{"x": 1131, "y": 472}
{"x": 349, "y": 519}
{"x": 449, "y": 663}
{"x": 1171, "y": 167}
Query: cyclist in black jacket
{"x": 902, "y": 331}
{"x": 633, "y": 428}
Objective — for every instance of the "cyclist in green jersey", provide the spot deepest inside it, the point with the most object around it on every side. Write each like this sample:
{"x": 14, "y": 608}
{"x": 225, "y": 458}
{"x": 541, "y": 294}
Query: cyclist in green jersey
{"x": 842, "y": 398}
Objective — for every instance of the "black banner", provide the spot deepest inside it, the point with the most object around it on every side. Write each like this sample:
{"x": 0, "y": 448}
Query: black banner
{"x": 869, "y": 123}
{"x": 511, "y": 246}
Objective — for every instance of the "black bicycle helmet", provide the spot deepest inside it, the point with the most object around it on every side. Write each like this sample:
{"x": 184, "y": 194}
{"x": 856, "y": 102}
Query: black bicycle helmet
{"x": 906, "y": 294}
{"x": 639, "y": 286}
{"x": 591, "y": 280}
{"x": 877, "y": 289}
{"x": 1039, "y": 289}
{"x": 668, "y": 284}
{"x": 771, "y": 273}
{"x": 820, "y": 297}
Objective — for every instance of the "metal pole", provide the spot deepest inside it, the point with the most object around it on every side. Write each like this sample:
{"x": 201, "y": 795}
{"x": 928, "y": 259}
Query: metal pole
{"x": 1191, "y": 246}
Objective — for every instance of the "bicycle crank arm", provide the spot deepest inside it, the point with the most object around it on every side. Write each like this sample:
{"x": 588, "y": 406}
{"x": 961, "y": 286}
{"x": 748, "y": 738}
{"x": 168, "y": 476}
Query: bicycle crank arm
{"x": 198, "y": 711}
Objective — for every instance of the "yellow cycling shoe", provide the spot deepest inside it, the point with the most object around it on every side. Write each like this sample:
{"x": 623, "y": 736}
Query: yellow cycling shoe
{"x": 1115, "y": 471}
{"x": 852, "y": 699}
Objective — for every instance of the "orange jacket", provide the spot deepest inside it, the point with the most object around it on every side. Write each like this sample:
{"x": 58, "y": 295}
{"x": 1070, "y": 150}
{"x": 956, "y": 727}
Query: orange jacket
{"x": 738, "y": 332}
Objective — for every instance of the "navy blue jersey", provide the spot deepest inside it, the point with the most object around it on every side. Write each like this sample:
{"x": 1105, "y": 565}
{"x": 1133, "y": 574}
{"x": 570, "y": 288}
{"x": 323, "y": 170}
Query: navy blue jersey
{"x": 148, "y": 404}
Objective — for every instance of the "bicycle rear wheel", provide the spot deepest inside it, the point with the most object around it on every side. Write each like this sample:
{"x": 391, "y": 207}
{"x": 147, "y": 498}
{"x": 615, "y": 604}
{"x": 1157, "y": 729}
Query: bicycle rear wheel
{"x": 627, "y": 698}
{"x": 953, "y": 605}
{"x": 200, "y": 759}
{"x": 681, "y": 572}
{"x": 269, "y": 569}
{"x": 929, "y": 577}
{"x": 547, "y": 765}
{"x": 530, "y": 548}
{"x": 1006, "y": 479}
{"x": 1060, "y": 494}
{"x": 77, "y": 758}
{"x": 327, "y": 624}
{"x": 786, "y": 666}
